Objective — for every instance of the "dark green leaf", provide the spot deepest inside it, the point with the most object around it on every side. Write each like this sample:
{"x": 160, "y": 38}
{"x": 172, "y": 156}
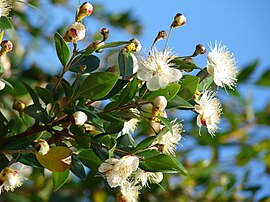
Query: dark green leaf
{"x": 183, "y": 64}
{"x": 91, "y": 63}
{"x": 90, "y": 159}
{"x": 32, "y": 93}
{"x": 169, "y": 92}
{"x": 188, "y": 86}
{"x": 247, "y": 71}
{"x": 67, "y": 88}
{"x": 98, "y": 85}
{"x": 3, "y": 161}
{"x": 129, "y": 92}
{"x": 155, "y": 162}
{"x": 205, "y": 83}
{"x": 126, "y": 64}
{"x": 114, "y": 127}
{"x": 3, "y": 125}
{"x": 265, "y": 79}
{"x": 29, "y": 159}
{"x": 45, "y": 95}
{"x": 77, "y": 168}
{"x": 2, "y": 70}
{"x": 117, "y": 87}
{"x": 145, "y": 143}
{"x": 38, "y": 113}
{"x": 62, "y": 49}
{"x": 110, "y": 142}
{"x": 59, "y": 179}
{"x": 5, "y": 23}
{"x": 166, "y": 122}
{"x": 178, "y": 102}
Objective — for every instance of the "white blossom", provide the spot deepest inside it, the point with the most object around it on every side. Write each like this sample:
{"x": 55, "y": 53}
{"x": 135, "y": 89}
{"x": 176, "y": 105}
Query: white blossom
{"x": 118, "y": 170}
{"x": 169, "y": 141}
{"x": 156, "y": 70}
{"x": 160, "y": 102}
{"x": 75, "y": 32}
{"x": 2, "y": 85}
{"x": 13, "y": 177}
{"x": 129, "y": 192}
{"x": 222, "y": 65}
{"x": 5, "y": 7}
{"x": 42, "y": 147}
{"x": 209, "y": 109}
{"x": 143, "y": 177}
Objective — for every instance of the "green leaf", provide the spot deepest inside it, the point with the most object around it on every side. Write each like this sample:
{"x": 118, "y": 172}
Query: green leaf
{"x": 56, "y": 159}
{"x": 154, "y": 161}
{"x": 67, "y": 88}
{"x": 77, "y": 168}
{"x": 83, "y": 139}
{"x": 2, "y": 70}
{"x": 113, "y": 44}
{"x": 126, "y": 64}
{"x": 29, "y": 159}
{"x": 169, "y": 92}
{"x": 166, "y": 122}
{"x": 247, "y": 71}
{"x": 120, "y": 84}
{"x": 62, "y": 49}
{"x": 145, "y": 143}
{"x": 188, "y": 86}
{"x": 110, "y": 142}
{"x": 114, "y": 127}
{"x": 205, "y": 83}
{"x": 180, "y": 103}
{"x": 129, "y": 92}
{"x": 264, "y": 80}
{"x": 3, "y": 125}
{"x": 182, "y": 64}
{"x": 91, "y": 63}
{"x": 59, "y": 179}
{"x": 90, "y": 159}
{"x": 32, "y": 93}
{"x": 5, "y": 23}
{"x": 98, "y": 85}
{"x": 45, "y": 95}
{"x": 38, "y": 113}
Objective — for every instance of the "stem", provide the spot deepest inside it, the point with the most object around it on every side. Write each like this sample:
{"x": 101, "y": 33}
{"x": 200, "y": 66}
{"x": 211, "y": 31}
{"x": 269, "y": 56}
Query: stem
{"x": 168, "y": 37}
{"x": 66, "y": 68}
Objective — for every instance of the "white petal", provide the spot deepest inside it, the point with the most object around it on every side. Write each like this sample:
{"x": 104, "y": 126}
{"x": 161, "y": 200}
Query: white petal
{"x": 153, "y": 84}
{"x": 144, "y": 74}
{"x": 173, "y": 74}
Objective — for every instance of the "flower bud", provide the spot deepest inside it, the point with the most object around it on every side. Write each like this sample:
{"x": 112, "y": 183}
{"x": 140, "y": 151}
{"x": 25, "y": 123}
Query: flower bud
{"x": 75, "y": 33}
{"x": 179, "y": 20}
{"x": 42, "y": 147}
{"x": 133, "y": 46}
{"x": 160, "y": 102}
{"x": 2, "y": 85}
{"x": 156, "y": 178}
{"x": 79, "y": 118}
{"x": 18, "y": 106}
{"x": 105, "y": 33}
{"x": 85, "y": 10}
{"x": 6, "y": 46}
{"x": 200, "y": 49}
{"x": 83, "y": 68}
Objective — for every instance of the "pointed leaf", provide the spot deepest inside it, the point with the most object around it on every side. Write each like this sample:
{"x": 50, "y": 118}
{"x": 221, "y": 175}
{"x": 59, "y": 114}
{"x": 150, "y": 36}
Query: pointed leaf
{"x": 77, "y": 168}
{"x": 45, "y": 95}
{"x": 32, "y": 93}
{"x": 90, "y": 159}
{"x": 59, "y": 179}
{"x": 126, "y": 64}
{"x": 38, "y": 113}
{"x": 5, "y": 23}
{"x": 129, "y": 92}
{"x": 182, "y": 64}
{"x": 188, "y": 86}
{"x": 98, "y": 85}
{"x": 247, "y": 71}
{"x": 180, "y": 103}
{"x": 91, "y": 63}
{"x": 169, "y": 92}
{"x": 62, "y": 49}
{"x": 264, "y": 80}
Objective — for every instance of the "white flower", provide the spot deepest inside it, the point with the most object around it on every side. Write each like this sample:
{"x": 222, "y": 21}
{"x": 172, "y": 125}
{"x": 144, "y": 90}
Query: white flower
{"x": 168, "y": 141}
{"x": 156, "y": 70}
{"x": 5, "y": 7}
{"x": 79, "y": 117}
{"x": 10, "y": 179}
{"x": 209, "y": 110}
{"x": 118, "y": 170}
{"x": 129, "y": 192}
{"x": 222, "y": 66}
{"x": 130, "y": 126}
{"x": 75, "y": 33}
{"x": 2, "y": 85}
{"x": 143, "y": 177}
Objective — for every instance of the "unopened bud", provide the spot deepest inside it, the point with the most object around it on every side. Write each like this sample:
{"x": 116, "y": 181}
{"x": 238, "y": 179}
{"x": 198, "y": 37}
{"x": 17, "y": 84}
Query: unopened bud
{"x": 6, "y": 46}
{"x": 133, "y": 46}
{"x": 79, "y": 118}
{"x": 157, "y": 177}
{"x": 179, "y": 20}
{"x": 160, "y": 102}
{"x": 94, "y": 46}
{"x": 75, "y": 33}
{"x": 200, "y": 49}
{"x": 18, "y": 106}
{"x": 83, "y": 68}
{"x": 42, "y": 147}
{"x": 196, "y": 95}
{"x": 105, "y": 33}
{"x": 85, "y": 10}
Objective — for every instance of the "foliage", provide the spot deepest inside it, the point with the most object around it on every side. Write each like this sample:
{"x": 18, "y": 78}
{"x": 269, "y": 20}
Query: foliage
{"x": 43, "y": 124}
